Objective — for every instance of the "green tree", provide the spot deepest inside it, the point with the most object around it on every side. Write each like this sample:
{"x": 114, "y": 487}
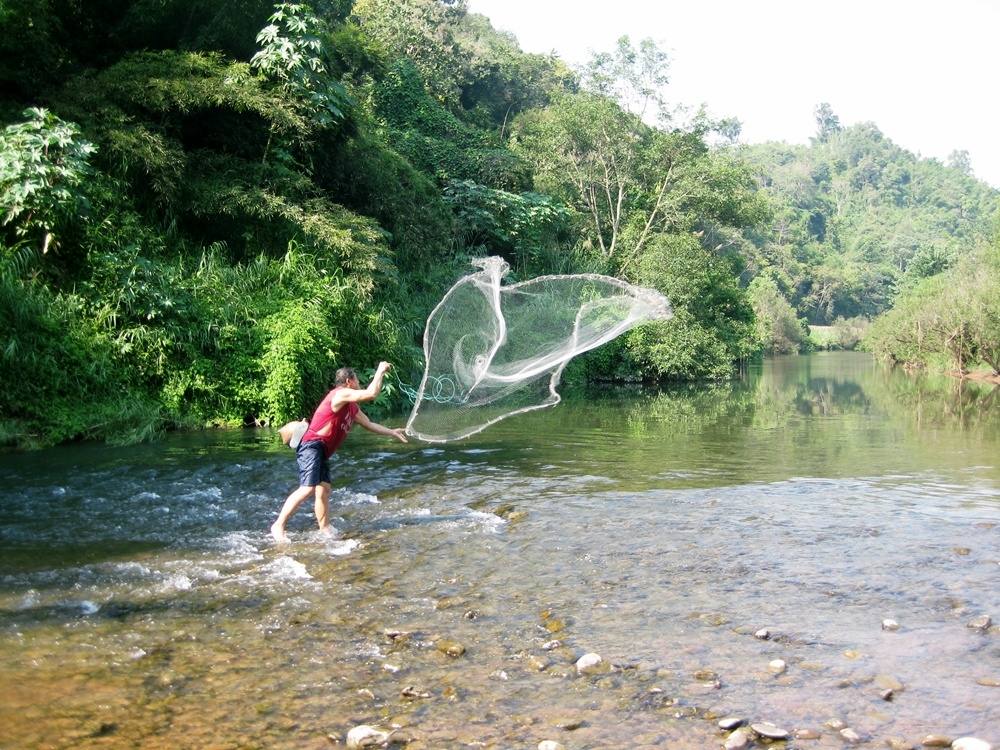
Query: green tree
{"x": 43, "y": 162}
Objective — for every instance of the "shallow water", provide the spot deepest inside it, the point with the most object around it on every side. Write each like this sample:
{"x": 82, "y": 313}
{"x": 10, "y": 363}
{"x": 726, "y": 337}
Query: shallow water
{"x": 143, "y": 605}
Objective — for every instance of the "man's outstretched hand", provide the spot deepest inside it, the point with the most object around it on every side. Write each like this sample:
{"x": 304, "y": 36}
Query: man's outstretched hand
{"x": 399, "y": 434}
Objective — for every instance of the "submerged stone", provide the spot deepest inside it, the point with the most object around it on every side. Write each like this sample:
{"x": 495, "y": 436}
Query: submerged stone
{"x": 366, "y": 736}
{"x": 772, "y": 732}
{"x": 981, "y": 623}
{"x": 970, "y": 743}
{"x": 590, "y": 664}
{"x": 738, "y": 740}
{"x": 936, "y": 740}
{"x": 731, "y": 722}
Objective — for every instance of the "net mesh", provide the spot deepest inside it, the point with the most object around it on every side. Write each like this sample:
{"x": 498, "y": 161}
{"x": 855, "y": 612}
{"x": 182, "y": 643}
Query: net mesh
{"x": 493, "y": 351}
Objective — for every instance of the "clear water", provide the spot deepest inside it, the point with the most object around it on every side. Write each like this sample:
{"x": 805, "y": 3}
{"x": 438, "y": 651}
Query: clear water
{"x": 142, "y": 603}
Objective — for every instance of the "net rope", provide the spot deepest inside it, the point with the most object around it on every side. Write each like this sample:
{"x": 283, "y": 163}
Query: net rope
{"x": 493, "y": 351}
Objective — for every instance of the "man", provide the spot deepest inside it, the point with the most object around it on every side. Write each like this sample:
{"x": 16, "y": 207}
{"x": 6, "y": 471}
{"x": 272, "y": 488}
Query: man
{"x": 334, "y": 417}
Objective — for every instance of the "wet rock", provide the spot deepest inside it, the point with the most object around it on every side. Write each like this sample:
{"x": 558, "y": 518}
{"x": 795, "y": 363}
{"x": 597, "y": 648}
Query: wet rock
{"x": 471, "y": 614}
{"x": 890, "y": 625}
{"x": 835, "y": 724}
{"x": 777, "y": 666}
{"x": 850, "y": 736}
{"x": 590, "y": 664}
{"x": 550, "y": 745}
{"x": 706, "y": 675}
{"x": 397, "y": 636}
{"x": 763, "y": 634}
{"x": 898, "y": 743}
{"x": 555, "y": 625}
{"x": 936, "y": 740}
{"x": 988, "y": 682}
{"x": 770, "y": 731}
{"x": 970, "y": 743}
{"x": 731, "y": 722}
{"x": 887, "y": 695}
{"x": 852, "y": 654}
{"x": 366, "y": 693}
{"x": 392, "y": 668}
{"x": 806, "y": 734}
{"x": 551, "y": 645}
{"x": 366, "y": 736}
{"x": 453, "y": 649}
{"x": 961, "y": 551}
{"x": 738, "y": 740}
{"x": 981, "y": 623}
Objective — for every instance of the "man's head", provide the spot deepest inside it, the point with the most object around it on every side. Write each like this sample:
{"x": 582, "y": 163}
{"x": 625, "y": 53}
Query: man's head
{"x": 346, "y": 376}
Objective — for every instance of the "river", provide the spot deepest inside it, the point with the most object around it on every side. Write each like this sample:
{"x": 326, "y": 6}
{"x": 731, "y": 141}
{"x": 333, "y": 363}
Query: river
{"x": 143, "y": 605}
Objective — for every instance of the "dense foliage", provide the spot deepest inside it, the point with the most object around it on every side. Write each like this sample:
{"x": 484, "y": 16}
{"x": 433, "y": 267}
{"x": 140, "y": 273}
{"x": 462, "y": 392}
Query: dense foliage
{"x": 209, "y": 207}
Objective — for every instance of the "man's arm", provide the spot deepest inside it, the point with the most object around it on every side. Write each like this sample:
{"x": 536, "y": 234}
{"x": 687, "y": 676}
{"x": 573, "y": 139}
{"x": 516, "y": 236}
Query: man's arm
{"x": 378, "y": 429}
{"x": 357, "y": 395}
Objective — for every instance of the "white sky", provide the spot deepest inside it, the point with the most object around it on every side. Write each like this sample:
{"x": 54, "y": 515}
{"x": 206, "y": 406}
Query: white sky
{"x": 927, "y": 73}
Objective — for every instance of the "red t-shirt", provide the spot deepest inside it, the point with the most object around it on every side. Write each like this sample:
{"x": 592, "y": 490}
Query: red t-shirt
{"x": 342, "y": 420}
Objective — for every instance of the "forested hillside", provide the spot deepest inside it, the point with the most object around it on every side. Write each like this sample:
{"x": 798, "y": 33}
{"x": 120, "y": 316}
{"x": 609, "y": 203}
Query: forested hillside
{"x": 209, "y": 207}
{"x": 856, "y": 219}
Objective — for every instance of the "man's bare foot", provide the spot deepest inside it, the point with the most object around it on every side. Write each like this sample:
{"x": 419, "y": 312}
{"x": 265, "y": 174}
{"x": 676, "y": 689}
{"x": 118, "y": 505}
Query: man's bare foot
{"x": 278, "y": 532}
{"x": 327, "y": 530}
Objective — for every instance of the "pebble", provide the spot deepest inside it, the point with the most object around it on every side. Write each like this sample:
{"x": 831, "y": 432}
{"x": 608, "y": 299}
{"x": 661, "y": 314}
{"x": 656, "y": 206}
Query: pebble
{"x": 850, "y": 735}
{"x": 569, "y": 723}
{"x": 890, "y": 625}
{"x": 551, "y": 645}
{"x": 936, "y": 740}
{"x": 887, "y": 695}
{"x": 888, "y": 682}
{"x": 537, "y": 663}
{"x": 777, "y": 666}
{"x": 982, "y": 622}
{"x": 589, "y": 664}
{"x": 807, "y": 734}
{"x": 770, "y": 731}
{"x": 988, "y": 682}
{"x": 962, "y": 551}
{"x": 366, "y": 736}
{"x": 763, "y": 634}
{"x": 550, "y": 745}
{"x": 451, "y": 648}
{"x": 706, "y": 675}
{"x": 731, "y": 722}
{"x": 738, "y": 740}
{"x": 898, "y": 743}
{"x": 970, "y": 743}
{"x": 835, "y": 724}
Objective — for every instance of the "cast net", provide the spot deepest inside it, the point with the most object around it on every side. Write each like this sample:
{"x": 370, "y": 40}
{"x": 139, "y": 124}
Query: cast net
{"x": 493, "y": 351}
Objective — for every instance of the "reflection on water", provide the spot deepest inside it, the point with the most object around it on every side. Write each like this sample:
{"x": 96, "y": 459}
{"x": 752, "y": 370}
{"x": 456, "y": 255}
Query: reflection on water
{"x": 143, "y": 605}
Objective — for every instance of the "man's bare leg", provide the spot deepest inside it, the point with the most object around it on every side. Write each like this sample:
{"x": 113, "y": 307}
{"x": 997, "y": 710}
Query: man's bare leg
{"x": 291, "y": 503}
{"x": 323, "y": 507}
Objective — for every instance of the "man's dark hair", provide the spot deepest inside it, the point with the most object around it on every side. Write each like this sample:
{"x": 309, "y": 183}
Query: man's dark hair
{"x": 343, "y": 375}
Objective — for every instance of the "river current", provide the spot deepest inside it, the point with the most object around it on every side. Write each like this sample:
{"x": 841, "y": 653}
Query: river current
{"x": 143, "y": 604}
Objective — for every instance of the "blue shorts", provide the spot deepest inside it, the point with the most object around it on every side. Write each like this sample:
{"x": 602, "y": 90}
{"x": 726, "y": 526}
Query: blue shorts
{"x": 314, "y": 468}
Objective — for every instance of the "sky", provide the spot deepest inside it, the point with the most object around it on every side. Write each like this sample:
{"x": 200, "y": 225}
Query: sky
{"x": 927, "y": 73}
